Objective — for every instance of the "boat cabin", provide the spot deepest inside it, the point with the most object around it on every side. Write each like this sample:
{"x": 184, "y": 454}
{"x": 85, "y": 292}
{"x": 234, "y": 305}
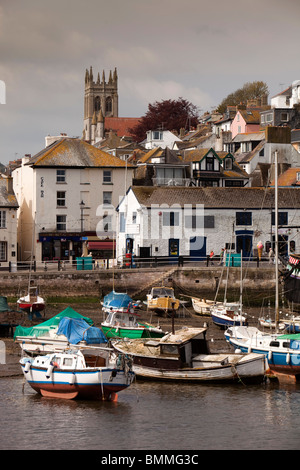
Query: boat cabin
{"x": 117, "y": 319}
{"x": 70, "y": 360}
{"x": 184, "y": 346}
{"x": 162, "y": 292}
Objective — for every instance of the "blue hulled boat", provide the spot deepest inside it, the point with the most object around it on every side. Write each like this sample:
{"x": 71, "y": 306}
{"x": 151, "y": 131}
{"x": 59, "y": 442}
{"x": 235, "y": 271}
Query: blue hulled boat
{"x": 281, "y": 350}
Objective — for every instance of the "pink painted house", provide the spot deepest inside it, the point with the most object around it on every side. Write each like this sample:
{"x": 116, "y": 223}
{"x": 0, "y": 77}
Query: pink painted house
{"x": 245, "y": 121}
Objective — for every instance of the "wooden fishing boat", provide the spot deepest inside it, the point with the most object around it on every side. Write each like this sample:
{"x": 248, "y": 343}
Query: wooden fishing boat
{"x": 89, "y": 374}
{"x": 184, "y": 356}
{"x": 162, "y": 300}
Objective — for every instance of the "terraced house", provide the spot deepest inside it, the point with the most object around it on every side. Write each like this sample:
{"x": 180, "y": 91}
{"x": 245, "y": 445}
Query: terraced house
{"x": 8, "y": 222}
{"x": 67, "y": 195}
{"x": 192, "y": 221}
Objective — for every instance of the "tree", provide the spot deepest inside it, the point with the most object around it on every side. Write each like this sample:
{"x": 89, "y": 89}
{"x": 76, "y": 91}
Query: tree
{"x": 167, "y": 114}
{"x": 250, "y": 91}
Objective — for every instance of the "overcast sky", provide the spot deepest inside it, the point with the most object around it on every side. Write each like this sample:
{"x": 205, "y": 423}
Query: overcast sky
{"x": 195, "y": 49}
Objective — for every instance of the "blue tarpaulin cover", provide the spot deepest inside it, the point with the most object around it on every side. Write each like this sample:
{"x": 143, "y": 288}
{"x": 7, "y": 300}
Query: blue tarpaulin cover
{"x": 117, "y": 300}
{"x": 77, "y": 329}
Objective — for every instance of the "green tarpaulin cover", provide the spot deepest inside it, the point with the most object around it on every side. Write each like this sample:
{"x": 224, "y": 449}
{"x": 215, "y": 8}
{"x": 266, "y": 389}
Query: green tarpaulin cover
{"x": 43, "y": 328}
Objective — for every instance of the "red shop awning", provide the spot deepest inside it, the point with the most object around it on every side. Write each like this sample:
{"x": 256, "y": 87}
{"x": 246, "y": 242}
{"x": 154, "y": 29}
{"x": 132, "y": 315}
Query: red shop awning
{"x": 109, "y": 245}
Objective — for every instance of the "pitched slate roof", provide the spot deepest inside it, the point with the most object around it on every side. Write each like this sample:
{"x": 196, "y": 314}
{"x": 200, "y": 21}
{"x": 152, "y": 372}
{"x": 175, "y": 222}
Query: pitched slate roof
{"x": 68, "y": 152}
{"x": 251, "y": 116}
{"x": 288, "y": 178}
{"x": 166, "y": 155}
{"x": 7, "y": 199}
{"x": 218, "y": 198}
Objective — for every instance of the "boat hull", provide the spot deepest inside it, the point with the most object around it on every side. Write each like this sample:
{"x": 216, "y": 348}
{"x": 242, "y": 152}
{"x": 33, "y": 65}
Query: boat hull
{"x": 286, "y": 362}
{"x": 218, "y": 368}
{"x": 95, "y": 384}
{"x": 33, "y": 307}
{"x": 201, "y": 307}
{"x": 224, "y": 322}
{"x": 247, "y": 373}
{"x": 132, "y": 333}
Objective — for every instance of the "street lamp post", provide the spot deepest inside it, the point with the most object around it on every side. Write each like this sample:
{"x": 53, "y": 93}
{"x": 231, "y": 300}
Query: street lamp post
{"x": 82, "y": 205}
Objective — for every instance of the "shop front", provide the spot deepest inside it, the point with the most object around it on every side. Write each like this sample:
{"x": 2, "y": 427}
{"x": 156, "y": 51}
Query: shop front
{"x": 60, "y": 247}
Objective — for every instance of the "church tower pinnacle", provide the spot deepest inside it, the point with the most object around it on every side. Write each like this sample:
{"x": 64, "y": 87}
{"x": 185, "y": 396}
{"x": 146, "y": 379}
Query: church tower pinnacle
{"x": 99, "y": 96}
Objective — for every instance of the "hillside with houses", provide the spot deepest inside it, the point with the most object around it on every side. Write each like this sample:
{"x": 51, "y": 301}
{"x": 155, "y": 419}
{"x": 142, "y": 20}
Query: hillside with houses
{"x": 174, "y": 194}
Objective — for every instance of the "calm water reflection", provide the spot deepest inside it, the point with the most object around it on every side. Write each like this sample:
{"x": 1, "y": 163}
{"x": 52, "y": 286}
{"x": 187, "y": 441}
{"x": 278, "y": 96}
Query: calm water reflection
{"x": 151, "y": 416}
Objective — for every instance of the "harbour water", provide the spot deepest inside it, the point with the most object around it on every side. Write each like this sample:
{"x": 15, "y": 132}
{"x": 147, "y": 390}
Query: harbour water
{"x": 154, "y": 416}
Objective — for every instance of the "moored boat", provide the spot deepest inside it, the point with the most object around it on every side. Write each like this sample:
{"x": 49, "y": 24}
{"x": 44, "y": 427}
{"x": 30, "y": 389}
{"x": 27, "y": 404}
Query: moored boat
{"x": 117, "y": 301}
{"x": 96, "y": 374}
{"x": 32, "y": 302}
{"x": 125, "y": 325}
{"x": 184, "y": 356}
{"x": 49, "y": 336}
{"x": 202, "y": 306}
{"x": 162, "y": 300}
{"x": 281, "y": 350}
{"x": 266, "y": 322}
{"x": 228, "y": 314}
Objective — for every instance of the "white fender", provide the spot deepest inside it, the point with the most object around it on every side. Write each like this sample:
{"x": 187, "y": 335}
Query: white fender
{"x": 49, "y": 371}
{"x": 27, "y": 367}
{"x": 288, "y": 357}
{"x": 270, "y": 355}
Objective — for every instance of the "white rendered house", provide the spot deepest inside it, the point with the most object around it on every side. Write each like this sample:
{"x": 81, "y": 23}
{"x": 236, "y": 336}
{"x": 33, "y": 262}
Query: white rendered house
{"x": 67, "y": 194}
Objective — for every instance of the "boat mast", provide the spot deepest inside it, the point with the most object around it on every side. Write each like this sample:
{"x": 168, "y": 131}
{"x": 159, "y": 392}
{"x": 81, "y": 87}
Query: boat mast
{"x": 276, "y": 245}
{"x": 241, "y": 286}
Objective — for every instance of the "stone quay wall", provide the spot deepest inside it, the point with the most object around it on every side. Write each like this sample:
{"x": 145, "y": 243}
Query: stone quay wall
{"x": 187, "y": 280}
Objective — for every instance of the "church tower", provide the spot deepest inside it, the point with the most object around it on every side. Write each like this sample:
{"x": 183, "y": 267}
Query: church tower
{"x": 100, "y": 100}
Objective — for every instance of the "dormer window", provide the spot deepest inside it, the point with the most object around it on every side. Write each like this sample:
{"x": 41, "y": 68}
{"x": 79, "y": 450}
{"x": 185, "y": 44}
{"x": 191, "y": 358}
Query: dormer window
{"x": 157, "y": 135}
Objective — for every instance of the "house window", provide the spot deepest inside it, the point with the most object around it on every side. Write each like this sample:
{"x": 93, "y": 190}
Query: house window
{"x": 61, "y": 198}
{"x": 228, "y": 164}
{"x": 2, "y": 219}
{"x": 3, "y": 251}
{"x": 60, "y": 176}
{"x": 157, "y": 135}
{"x": 244, "y": 218}
{"x": 282, "y": 218}
{"x": 61, "y": 222}
{"x": 107, "y": 176}
{"x": 209, "y": 163}
{"x": 298, "y": 175}
{"x": 107, "y": 198}
{"x": 234, "y": 183}
{"x": 284, "y": 117}
{"x": 122, "y": 222}
{"x": 134, "y": 216}
{"x": 107, "y": 223}
{"x": 269, "y": 117}
{"x": 171, "y": 219}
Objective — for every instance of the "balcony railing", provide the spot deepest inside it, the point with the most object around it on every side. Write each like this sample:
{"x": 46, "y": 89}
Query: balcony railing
{"x": 171, "y": 181}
